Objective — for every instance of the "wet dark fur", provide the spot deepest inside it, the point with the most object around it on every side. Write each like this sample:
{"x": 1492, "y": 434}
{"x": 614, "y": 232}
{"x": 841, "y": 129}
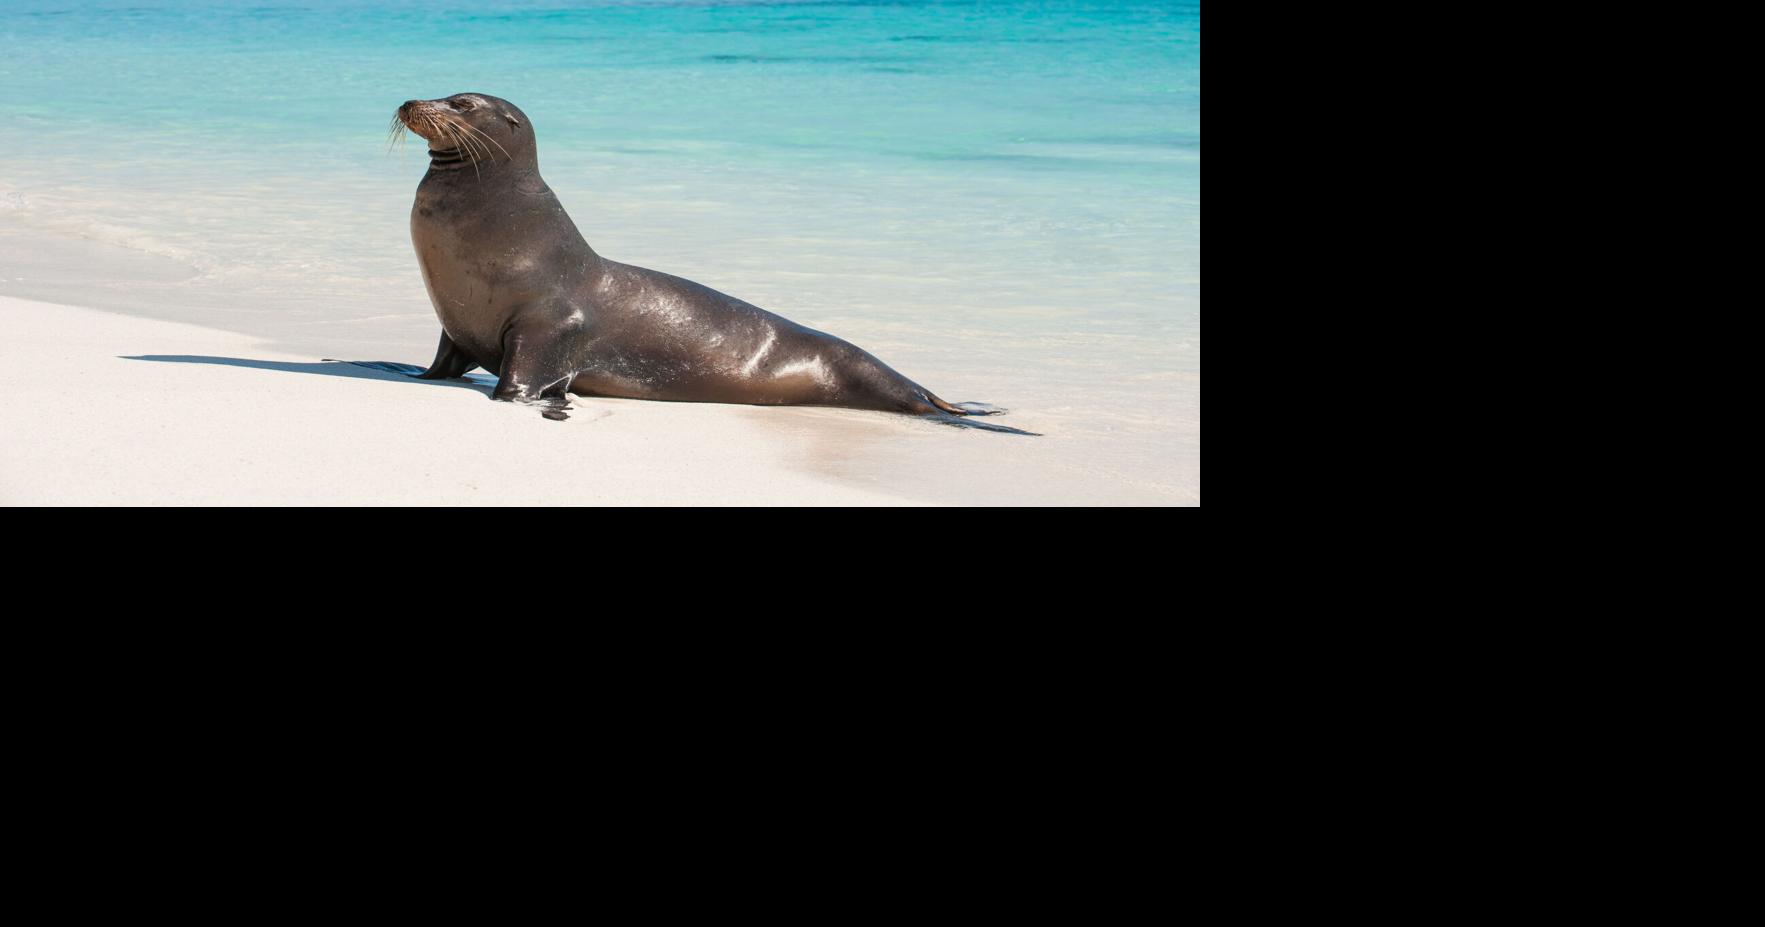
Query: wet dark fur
{"x": 520, "y": 293}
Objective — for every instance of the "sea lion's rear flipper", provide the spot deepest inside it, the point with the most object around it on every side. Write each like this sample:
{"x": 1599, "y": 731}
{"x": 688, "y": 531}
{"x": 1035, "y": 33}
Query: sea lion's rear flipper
{"x": 963, "y": 421}
{"x": 966, "y": 408}
{"x": 958, "y": 414}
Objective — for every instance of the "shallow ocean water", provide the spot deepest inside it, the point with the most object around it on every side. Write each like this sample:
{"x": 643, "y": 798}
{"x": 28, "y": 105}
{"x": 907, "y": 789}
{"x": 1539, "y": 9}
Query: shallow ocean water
{"x": 1001, "y": 199}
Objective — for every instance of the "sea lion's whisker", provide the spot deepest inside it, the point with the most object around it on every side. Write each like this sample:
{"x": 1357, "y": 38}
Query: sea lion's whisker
{"x": 483, "y": 149}
{"x": 395, "y": 134}
{"x": 434, "y": 126}
{"x": 481, "y": 134}
{"x": 452, "y": 129}
{"x": 470, "y": 153}
{"x": 453, "y": 136}
{"x": 438, "y": 129}
{"x": 465, "y": 136}
{"x": 478, "y": 147}
{"x": 493, "y": 142}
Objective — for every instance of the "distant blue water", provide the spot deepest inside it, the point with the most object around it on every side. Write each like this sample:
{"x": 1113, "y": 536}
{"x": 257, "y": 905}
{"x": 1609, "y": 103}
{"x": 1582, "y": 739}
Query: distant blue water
{"x": 1090, "y": 110}
{"x": 928, "y": 80}
{"x": 1013, "y": 183}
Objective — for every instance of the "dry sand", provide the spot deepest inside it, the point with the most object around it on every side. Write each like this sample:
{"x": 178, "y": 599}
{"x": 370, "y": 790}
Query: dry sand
{"x": 108, "y": 409}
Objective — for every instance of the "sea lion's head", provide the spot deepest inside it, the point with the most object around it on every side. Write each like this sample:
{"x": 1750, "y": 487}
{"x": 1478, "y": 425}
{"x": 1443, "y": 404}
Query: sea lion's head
{"x": 470, "y": 129}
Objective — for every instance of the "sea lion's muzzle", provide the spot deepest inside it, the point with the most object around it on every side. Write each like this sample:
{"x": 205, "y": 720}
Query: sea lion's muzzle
{"x": 422, "y": 117}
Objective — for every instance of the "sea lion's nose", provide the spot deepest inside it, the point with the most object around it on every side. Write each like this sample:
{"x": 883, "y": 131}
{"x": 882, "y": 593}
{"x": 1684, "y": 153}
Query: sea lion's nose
{"x": 405, "y": 110}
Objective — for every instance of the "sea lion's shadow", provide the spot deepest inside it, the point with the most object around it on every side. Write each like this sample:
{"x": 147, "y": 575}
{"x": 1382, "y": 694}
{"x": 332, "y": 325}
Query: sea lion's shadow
{"x": 357, "y": 370}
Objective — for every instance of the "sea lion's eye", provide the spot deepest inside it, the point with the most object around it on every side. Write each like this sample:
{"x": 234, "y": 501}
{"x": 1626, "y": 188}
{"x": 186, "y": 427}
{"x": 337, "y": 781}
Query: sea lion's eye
{"x": 463, "y": 104}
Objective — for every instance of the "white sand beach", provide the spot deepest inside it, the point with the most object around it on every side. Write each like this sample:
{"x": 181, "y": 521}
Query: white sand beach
{"x": 163, "y": 388}
{"x": 112, "y": 410}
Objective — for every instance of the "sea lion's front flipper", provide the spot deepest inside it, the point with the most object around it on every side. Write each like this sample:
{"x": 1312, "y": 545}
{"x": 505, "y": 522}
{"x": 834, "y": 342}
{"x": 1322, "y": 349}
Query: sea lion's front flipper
{"x": 538, "y": 362}
{"x": 450, "y": 362}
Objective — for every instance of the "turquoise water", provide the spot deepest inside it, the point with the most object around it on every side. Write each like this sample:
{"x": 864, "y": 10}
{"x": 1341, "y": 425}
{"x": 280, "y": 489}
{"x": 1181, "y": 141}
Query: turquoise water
{"x": 1007, "y": 191}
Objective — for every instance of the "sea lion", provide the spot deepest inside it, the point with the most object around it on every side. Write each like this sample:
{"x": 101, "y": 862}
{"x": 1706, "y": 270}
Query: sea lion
{"x": 521, "y": 294}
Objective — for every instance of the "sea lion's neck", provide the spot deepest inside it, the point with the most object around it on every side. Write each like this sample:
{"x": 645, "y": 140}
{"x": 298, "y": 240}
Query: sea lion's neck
{"x": 448, "y": 160}
{"x": 498, "y": 190}
{"x": 457, "y": 159}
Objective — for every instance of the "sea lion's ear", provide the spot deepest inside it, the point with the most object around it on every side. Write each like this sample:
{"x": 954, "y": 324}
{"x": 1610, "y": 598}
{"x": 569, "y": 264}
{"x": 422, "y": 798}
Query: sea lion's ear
{"x": 516, "y": 123}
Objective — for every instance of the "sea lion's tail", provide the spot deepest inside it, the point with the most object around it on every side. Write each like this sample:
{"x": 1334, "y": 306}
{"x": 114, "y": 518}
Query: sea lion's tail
{"x": 959, "y": 414}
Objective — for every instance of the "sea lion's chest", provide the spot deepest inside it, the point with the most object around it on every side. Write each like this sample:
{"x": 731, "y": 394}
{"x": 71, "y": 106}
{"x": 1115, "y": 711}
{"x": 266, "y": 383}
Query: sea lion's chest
{"x": 477, "y": 264}
{"x": 463, "y": 294}
{"x": 490, "y": 250}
